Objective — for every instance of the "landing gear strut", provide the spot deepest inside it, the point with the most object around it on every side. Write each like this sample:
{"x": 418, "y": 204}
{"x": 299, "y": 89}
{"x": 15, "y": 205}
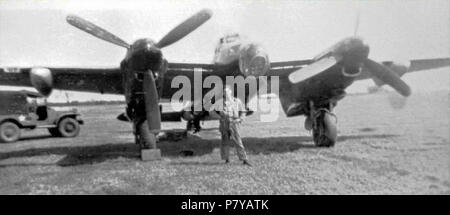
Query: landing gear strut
{"x": 323, "y": 124}
{"x": 144, "y": 111}
{"x": 147, "y": 142}
{"x": 143, "y": 137}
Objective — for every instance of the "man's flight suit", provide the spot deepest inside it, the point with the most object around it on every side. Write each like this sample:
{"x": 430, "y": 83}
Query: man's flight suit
{"x": 230, "y": 120}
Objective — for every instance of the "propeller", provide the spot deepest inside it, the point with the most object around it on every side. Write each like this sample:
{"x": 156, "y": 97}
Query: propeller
{"x": 378, "y": 70}
{"x": 387, "y": 76}
{"x": 173, "y": 36}
{"x": 313, "y": 69}
{"x": 396, "y": 101}
{"x": 95, "y": 30}
{"x": 358, "y": 16}
{"x": 151, "y": 103}
{"x": 185, "y": 28}
{"x": 151, "y": 94}
{"x": 352, "y": 49}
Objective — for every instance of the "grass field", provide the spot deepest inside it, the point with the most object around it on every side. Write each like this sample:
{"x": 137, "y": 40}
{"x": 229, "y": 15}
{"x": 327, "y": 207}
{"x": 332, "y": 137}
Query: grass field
{"x": 380, "y": 151}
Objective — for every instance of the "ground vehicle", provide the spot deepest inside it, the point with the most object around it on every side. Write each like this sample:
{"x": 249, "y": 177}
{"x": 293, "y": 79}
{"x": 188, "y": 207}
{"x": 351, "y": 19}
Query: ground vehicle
{"x": 29, "y": 110}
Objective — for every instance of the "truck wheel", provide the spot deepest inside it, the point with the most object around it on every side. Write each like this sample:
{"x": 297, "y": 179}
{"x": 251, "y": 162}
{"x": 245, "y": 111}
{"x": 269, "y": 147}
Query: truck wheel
{"x": 68, "y": 127}
{"x": 9, "y": 132}
{"x": 54, "y": 132}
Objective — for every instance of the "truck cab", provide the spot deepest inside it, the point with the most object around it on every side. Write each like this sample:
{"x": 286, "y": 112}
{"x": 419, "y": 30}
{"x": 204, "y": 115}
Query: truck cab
{"x": 29, "y": 110}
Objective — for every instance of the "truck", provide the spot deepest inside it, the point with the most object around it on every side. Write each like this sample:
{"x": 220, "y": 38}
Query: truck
{"x": 20, "y": 110}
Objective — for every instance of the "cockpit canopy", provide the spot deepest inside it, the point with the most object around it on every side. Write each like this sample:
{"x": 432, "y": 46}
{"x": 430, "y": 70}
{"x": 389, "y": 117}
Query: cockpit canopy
{"x": 230, "y": 38}
{"x": 227, "y": 41}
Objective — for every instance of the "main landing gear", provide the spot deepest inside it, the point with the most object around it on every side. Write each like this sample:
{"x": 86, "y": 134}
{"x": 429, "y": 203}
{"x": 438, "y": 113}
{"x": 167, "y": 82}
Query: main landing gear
{"x": 143, "y": 137}
{"x": 143, "y": 105}
{"x": 323, "y": 124}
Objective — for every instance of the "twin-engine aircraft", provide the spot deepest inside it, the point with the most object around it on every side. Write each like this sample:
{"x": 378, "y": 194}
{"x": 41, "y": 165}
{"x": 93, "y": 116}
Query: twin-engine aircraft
{"x": 312, "y": 87}
{"x": 307, "y": 87}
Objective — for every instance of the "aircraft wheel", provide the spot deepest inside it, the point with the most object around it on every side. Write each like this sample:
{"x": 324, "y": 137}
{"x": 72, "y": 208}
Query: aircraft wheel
{"x": 9, "y": 132}
{"x": 325, "y": 130}
{"x": 68, "y": 127}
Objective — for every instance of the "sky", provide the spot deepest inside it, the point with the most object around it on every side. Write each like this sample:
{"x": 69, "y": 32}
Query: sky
{"x": 35, "y": 33}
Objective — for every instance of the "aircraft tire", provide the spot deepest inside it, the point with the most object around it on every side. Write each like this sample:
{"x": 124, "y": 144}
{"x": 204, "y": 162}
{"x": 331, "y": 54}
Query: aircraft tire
{"x": 325, "y": 134}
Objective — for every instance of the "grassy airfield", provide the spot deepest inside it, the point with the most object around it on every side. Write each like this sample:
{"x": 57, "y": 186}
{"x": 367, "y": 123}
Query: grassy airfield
{"x": 380, "y": 150}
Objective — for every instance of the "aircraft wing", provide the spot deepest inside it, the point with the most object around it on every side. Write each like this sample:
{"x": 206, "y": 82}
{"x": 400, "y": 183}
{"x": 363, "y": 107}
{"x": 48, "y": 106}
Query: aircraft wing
{"x": 186, "y": 67}
{"x": 414, "y": 66}
{"x": 108, "y": 80}
{"x": 287, "y": 66}
{"x": 426, "y": 64}
{"x": 96, "y": 80}
{"x": 189, "y": 70}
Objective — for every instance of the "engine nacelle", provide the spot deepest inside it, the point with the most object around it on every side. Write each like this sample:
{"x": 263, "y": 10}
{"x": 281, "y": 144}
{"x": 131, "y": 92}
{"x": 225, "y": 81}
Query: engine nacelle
{"x": 42, "y": 80}
{"x": 253, "y": 60}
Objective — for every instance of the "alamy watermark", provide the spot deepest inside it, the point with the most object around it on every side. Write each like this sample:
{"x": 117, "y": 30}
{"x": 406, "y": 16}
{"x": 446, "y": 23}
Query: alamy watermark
{"x": 213, "y": 98}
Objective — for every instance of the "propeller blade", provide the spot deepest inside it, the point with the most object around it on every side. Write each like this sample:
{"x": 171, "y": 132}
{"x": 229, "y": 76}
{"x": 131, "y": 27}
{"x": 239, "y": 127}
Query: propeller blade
{"x": 185, "y": 28}
{"x": 313, "y": 69}
{"x": 96, "y": 31}
{"x": 387, "y": 76}
{"x": 358, "y": 16}
{"x": 151, "y": 103}
{"x": 396, "y": 101}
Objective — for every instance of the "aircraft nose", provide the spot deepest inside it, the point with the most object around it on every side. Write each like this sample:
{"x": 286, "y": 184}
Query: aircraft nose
{"x": 353, "y": 50}
{"x": 364, "y": 49}
{"x": 356, "y": 46}
{"x": 153, "y": 52}
{"x": 353, "y": 43}
{"x": 153, "y": 57}
{"x": 146, "y": 57}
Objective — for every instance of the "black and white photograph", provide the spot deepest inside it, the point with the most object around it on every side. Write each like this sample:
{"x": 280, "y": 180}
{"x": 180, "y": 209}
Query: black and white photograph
{"x": 224, "y": 97}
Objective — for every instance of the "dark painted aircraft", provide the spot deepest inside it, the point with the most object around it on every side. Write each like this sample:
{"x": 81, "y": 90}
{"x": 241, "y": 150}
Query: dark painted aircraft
{"x": 314, "y": 90}
{"x": 139, "y": 76}
{"x": 313, "y": 87}
{"x": 307, "y": 87}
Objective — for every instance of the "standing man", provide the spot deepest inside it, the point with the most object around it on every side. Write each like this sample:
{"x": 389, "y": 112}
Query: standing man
{"x": 231, "y": 117}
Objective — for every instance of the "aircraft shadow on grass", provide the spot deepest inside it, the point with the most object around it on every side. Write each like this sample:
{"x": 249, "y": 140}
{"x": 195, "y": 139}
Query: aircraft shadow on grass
{"x": 193, "y": 145}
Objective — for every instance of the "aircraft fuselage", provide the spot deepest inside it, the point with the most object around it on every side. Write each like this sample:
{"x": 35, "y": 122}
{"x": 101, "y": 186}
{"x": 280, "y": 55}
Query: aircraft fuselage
{"x": 232, "y": 57}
